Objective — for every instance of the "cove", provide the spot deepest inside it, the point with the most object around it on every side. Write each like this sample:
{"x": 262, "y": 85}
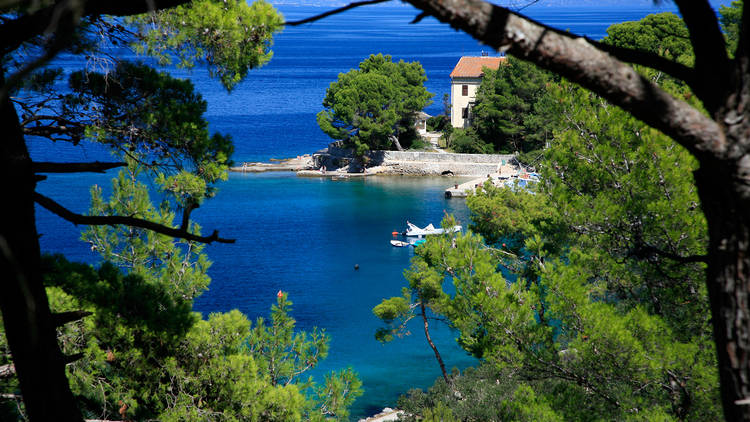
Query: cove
{"x": 304, "y": 236}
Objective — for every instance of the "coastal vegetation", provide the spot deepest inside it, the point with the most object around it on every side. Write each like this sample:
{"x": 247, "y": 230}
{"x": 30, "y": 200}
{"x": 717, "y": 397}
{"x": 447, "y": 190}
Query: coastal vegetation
{"x": 374, "y": 107}
{"x": 119, "y": 340}
{"x": 585, "y": 298}
{"x": 513, "y": 113}
{"x": 592, "y": 286}
{"x": 710, "y": 122}
{"x": 617, "y": 289}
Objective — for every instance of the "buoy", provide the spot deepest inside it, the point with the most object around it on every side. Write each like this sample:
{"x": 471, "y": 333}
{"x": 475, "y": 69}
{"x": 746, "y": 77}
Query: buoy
{"x": 394, "y": 233}
{"x": 356, "y": 266}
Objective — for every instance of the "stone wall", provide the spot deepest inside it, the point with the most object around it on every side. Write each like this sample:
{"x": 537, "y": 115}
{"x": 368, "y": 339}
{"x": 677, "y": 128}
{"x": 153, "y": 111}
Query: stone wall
{"x": 416, "y": 162}
{"x": 439, "y": 157}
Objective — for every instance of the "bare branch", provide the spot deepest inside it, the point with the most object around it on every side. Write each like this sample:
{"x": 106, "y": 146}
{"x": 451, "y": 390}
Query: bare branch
{"x": 95, "y": 167}
{"x": 115, "y": 220}
{"x": 72, "y": 358}
{"x": 419, "y": 18}
{"x": 51, "y": 51}
{"x": 186, "y": 215}
{"x": 61, "y": 318}
{"x": 100, "y": 420}
{"x": 334, "y": 12}
{"x": 645, "y": 251}
{"x": 7, "y": 370}
{"x": 709, "y": 46}
{"x": 582, "y": 62}
{"x": 651, "y": 60}
{"x": 26, "y": 27}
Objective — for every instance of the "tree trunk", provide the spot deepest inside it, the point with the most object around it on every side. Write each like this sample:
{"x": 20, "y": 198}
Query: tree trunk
{"x": 395, "y": 141}
{"x": 429, "y": 340}
{"x": 725, "y": 197}
{"x": 31, "y": 334}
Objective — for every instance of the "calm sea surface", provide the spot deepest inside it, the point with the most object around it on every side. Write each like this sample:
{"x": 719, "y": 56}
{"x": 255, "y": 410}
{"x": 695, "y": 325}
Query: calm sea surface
{"x": 304, "y": 235}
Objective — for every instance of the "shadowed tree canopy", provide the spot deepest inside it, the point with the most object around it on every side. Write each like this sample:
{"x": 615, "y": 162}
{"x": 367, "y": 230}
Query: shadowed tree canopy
{"x": 148, "y": 118}
{"x": 513, "y": 111}
{"x": 716, "y": 131}
{"x": 716, "y": 134}
{"x": 664, "y": 34}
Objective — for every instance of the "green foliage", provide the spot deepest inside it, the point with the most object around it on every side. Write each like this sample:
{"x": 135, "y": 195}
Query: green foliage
{"x": 231, "y": 36}
{"x": 479, "y": 394}
{"x": 143, "y": 252}
{"x": 419, "y": 144}
{"x": 604, "y": 267}
{"x": 467, "y": 141}
{"x": 373, "y": 107}
{"x": 337, "y": 393}
{"x": 145, "y": 355}
{"x": 395, "y": 313}
{"x": 439, "y": 123}
{"x": 662, "y": 33}
{"x": 285, "y": 354}
{"x": 143, "y": 359}
{"x": 608, "y": 307}
{"x": 513, "y": 111}
{"x": 153, "y": 118}
{"x": 730, "y": 18}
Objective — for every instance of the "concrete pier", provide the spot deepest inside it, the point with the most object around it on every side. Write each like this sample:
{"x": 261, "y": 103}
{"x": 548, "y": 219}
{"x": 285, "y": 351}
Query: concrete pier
{"x": 301, "y": 162}
{"x": 462, "y": 190}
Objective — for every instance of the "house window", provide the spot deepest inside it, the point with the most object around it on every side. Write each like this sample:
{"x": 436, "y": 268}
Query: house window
{"x": 465, "y": 90}
{"x": 465, "y": 112}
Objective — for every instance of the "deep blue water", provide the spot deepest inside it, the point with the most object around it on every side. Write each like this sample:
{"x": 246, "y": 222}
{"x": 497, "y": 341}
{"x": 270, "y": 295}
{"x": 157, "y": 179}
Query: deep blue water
{"x": 304, "y": 235}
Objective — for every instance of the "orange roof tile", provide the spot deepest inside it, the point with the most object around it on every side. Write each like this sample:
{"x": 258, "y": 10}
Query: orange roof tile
{"x": 471, "y": 67}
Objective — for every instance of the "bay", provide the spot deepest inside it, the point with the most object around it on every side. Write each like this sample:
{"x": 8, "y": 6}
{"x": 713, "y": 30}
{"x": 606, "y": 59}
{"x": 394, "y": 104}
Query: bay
{"x": 304, "y": 235}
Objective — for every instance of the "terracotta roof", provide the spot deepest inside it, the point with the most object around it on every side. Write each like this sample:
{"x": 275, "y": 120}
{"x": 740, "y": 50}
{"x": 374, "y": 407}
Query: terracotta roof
{"x": 471, "y": 67}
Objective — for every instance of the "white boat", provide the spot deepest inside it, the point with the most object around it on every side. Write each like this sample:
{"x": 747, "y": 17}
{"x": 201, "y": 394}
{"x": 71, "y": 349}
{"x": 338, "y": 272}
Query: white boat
{"x": 413, "y": 230}
{"x": 399, "y": 243}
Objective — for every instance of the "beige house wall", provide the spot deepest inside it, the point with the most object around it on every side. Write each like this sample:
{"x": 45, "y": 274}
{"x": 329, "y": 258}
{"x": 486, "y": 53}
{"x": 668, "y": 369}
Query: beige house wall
{"x": 460, "y": 101}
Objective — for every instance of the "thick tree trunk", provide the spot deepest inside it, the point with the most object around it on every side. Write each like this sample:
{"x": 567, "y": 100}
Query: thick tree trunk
{"x": 31, "y": 334}
{"x": 432, "y": 345}
{"x": 725, "y": 197}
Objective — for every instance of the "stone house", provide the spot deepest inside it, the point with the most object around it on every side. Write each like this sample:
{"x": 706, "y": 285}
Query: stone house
{"x": 465, "y": 79}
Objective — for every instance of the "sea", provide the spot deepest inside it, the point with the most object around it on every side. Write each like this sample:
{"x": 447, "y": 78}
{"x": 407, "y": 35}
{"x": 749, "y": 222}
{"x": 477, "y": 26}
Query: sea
{"x": 307, "y": 236}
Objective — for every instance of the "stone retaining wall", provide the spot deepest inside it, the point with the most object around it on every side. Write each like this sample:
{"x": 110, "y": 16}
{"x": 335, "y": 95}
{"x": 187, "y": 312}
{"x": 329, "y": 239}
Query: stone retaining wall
{"x": 422, "y": 168}
{"x": 438, "y": 157}
{"x": 415, "y": 162}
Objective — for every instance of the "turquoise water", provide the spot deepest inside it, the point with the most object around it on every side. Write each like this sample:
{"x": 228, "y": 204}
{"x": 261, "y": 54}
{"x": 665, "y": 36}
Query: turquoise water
{"x": 304, "y": 235}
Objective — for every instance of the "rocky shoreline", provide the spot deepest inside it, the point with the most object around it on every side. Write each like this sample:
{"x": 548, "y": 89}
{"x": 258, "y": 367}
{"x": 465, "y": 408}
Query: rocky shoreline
{"x": 337, "y": 161}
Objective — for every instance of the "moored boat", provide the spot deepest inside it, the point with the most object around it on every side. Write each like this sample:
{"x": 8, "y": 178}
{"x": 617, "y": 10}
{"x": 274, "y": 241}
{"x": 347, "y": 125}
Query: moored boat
{"x": 413, "y": 230}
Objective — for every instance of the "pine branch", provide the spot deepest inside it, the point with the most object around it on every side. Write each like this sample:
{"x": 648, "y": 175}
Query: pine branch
{"x": 115, "y": 220}
{"x": 62, "y": 318}
{"x": 646, "y": 251}
{"x": 648, "y": 59}
{"x": 7, "y": 371}
{"x": 94, "y": 167}
{"x": 334, "y": 12}
{"x": 709, "y": 46}
{"x": 584, "y": 63}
